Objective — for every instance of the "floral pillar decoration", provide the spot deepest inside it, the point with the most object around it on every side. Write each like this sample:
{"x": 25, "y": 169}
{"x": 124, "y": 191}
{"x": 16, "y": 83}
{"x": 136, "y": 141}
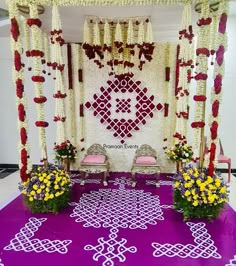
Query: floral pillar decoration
{"x": 25, "y": 164}
{"x": 185, "y": 60}
{"x": 72, "y": 130}
{"x": 37, "y": 54}
{"x": 202, "y": 55}
{"x": 81, "y": 97}
{"x": 57, "y": 65}
{"x": 216, "y": 91}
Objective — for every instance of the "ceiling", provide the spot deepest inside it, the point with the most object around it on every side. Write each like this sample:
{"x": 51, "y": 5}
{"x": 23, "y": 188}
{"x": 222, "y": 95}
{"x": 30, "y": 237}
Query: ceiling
{"x": 166, "y": 21}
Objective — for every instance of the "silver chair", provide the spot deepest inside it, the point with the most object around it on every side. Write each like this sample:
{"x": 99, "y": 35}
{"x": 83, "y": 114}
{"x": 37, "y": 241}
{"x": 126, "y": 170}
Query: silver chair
{"x": 145, "y": 162}
{"x": 95, "y": 161}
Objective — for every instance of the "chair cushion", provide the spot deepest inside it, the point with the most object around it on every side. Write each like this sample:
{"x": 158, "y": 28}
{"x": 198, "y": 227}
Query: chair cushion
{"x": 223, "y": 159}
{"x": 96, "y": 158}
{"x": 145, "y": 160}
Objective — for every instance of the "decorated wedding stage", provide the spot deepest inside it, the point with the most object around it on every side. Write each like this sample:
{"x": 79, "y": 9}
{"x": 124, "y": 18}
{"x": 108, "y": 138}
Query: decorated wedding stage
{"x": 116, "y": 225}
{"x": 118, "y": 88}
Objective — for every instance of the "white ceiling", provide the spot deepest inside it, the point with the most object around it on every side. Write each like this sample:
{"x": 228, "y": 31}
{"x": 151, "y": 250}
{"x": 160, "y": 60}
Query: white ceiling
{"x": 166, "y": 21}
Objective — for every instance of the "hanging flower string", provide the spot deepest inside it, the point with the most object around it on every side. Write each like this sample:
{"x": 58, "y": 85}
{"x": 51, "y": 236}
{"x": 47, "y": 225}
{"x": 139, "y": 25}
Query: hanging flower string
{"x": 202, "y": 55}
{"x": 216, "y": 93}
{"x": 37, "y": 54}
{"x": 57, "y": 65}
{"x": 185, "y": 63}
{"x": 25, "y": 164}
{"x": 118, "y": 46}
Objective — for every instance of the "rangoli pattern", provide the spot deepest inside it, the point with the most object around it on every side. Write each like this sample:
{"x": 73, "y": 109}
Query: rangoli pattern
{"x": 123, "y": 96}
{"x": 111, "y": 248}
{"x": 118, "y": 208}
{"x": 232, "y": 262}
{"x": 204, "y": 247}
{"x": 23, "y": 240}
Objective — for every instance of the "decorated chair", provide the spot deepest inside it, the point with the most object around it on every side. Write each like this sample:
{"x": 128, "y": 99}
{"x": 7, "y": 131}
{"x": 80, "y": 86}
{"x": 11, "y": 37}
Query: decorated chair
{"x": 95, "y": 161}
{"x": 145, "y": 162}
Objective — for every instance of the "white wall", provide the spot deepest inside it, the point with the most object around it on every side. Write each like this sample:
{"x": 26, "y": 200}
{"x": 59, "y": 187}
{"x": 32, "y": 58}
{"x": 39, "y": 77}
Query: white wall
{"x": 9, "y": 136}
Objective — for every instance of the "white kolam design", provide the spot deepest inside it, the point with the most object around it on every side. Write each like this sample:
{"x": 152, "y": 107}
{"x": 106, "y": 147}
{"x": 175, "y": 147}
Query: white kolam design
{"x": 204, "y": 246}
{"x": 24, "y": 240}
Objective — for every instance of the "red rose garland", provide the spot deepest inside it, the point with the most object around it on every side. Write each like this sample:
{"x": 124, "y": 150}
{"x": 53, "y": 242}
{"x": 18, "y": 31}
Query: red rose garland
{"x": 217, "y": 89}
{"x": 24, "y": 165}
{"x": 37, "y": 54}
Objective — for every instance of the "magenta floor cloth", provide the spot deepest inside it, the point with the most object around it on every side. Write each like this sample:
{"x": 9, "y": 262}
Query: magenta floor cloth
{"x": 116, "y": 225}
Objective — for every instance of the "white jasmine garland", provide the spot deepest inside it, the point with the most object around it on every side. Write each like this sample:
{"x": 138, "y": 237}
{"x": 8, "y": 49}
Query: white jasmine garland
{"x": 87, "y": 35}
{"x": 202, "y": 67}
{"x": 141, "y": 36}
{"x": 17, "y": 46}
{"x": 218, "y": 40}
{"x": 149, "y": 33}
{"x": 130, "y": 34}
{"x": 59, "y": 82}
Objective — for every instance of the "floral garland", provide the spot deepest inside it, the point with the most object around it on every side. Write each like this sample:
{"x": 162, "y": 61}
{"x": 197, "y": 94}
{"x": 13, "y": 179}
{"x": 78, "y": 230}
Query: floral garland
{"x": 36, "y": 52}
{"x": 99, "y": 2}
{"x": 71, "y": 92}
{"x": 57, "y": 65}
{"x": 25, "y": 164}
{"x": 216, "y": 92}
{"x": 118, "y": 46}
{"x": 81, "y": 97}
{"x": 166, "y": 95}
{"x": 185, "y": 60}
{"x": 202, "y": 55}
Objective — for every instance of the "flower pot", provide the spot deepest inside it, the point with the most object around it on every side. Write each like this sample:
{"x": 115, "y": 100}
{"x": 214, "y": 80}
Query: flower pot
{"x": 179, "y": 166}
{"x": 65, "y": 162}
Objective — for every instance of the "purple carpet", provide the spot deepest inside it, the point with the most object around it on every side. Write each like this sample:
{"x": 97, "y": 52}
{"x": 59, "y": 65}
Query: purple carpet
{"x": 116, "y": 225}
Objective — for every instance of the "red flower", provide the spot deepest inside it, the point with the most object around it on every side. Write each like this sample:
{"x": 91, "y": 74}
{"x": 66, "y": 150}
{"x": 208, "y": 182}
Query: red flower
{"x": 23, "y": 135}
{"x": 215, "y": 108}
{"x": 17, "y": 61}
{"x": 198, "y": 124}
{"x": 201, "y": 76}
{"x": 213, "y": 129}
{"x": 199, "y": 98}
{"x": 41, "y": 99}
{"x": 14, "y": 29}
{"x": 204, "y": 51}
{"x": 217, "y": 84}
{"x": 59, "y": 95}
{"x": 41, "y": 124}
{"x": 38, "y": 79}
{"x": 19, "y": 88}
{"x": 222, "y": 23}
{"x": 21, "y": 112}
{"x": 34, "y": 21}
{"x": 220, "y": 55}
{"x": 57, "y": 118}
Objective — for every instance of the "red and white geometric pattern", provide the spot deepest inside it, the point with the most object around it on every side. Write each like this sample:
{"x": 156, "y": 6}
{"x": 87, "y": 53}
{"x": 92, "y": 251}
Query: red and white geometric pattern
{"x": 123, "y": 106}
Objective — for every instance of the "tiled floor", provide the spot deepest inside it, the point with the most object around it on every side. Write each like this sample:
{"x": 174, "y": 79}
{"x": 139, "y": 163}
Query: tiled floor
{"x": 9, "y": 189}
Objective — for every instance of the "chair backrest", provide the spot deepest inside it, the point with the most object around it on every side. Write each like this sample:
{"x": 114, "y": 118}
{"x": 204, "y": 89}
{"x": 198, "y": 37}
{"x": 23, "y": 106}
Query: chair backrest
{"x": 221, "y": 148}
{"x": 96, "y": 149}
{"x": 145, "y": 150}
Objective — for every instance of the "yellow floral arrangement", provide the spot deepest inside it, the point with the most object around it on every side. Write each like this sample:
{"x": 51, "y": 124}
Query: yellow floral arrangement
{"x": 198, "y": 194}
{"x": 47, "y": 190}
